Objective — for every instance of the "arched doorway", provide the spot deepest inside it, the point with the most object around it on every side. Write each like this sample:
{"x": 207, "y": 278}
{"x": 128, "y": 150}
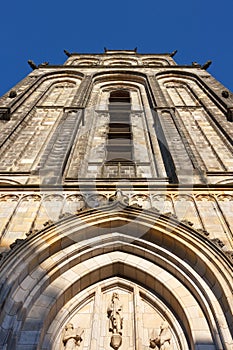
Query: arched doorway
{"x": 160, "y": 270}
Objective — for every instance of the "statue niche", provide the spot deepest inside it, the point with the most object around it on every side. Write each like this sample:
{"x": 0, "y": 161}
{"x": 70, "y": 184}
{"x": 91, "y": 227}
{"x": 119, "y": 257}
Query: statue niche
{"x": 115, "y": 321}
{"x": 72, "y": 337}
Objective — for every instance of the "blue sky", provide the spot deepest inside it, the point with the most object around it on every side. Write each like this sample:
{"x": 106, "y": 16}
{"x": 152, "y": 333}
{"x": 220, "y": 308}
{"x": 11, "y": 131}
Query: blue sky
{"x": 200, "y": 31}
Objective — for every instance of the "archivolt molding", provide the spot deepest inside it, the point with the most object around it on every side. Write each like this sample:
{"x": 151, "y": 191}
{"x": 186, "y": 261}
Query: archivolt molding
{"x": 101, "y": 93}
{"x": 158, "y": 62}
{"x": 188, "y": 81}
{"x": 105, "y": 86}
{"x": 119, "y": 86}
{"x": 188, "y": 78}
{"x": 228, "y": 181}
{"x": 120, "y": 61}
{"x": 179, "y": 74}
{"x": 8, "y": 182}
{"x": 153, "y": 250}
{"x": 85, "y": 61}
{"x": 123, "y": 75}
{"x": 56, "y": 76}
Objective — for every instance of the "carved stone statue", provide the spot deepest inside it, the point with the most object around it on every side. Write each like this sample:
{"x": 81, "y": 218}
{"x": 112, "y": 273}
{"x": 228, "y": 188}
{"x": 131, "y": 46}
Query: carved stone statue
{"x": 114, "y": 315}
{"x": 72, "y": 337}
{"x": 115, "y": 321}
{"x": 162, "y": 342}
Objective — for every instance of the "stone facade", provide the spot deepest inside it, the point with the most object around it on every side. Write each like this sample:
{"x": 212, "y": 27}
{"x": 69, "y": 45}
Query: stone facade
{"x": 116, "y": 206}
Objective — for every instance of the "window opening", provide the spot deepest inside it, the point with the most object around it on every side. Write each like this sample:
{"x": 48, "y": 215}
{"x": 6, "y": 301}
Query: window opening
{"x": 119, "y": 147}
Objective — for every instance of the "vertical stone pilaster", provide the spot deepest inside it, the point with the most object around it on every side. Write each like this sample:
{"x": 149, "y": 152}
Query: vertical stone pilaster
{"x": 54, "y": 158}
{"x": 179, "y": 159}
{"x": 195, "y": 159}
{"x": 157, "y": 94}
{"x": 137, "y": 319}
{"x": 95, "y": 332}
{"x": 221, "y": 111}
{"x": 81, "y": 97}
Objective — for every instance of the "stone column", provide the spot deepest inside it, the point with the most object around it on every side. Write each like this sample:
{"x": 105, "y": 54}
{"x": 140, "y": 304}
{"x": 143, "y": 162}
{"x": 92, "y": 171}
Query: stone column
{"x": 56, "y": 153}
{"x": 180, "y": 162}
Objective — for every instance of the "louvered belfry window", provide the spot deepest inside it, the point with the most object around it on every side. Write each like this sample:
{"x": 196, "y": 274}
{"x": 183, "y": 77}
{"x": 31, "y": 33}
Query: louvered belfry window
{"x": 119, "y": 147}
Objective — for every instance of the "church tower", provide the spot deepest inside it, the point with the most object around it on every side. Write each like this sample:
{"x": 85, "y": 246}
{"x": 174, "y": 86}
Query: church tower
{"x": 116, "y": 206}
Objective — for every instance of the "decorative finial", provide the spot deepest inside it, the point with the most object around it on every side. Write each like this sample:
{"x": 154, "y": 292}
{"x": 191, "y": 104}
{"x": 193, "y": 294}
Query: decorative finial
{"x": 135, "y": 49}
{"x": 68, "y": 54}
{"x": 32, "y": 64}
{"x": 173, "y": 53}
{"x": 206, "y": 65}
{"x": 105, "y": 49}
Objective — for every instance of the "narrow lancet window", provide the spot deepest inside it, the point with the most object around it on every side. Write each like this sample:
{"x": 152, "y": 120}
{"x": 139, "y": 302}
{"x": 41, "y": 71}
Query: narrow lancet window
{"x": 119, "y": 147}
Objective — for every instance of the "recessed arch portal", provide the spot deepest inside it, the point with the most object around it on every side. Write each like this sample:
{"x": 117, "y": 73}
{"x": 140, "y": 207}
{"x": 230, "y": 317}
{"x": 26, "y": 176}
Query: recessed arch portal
{"x": 150, "y": 310}
{"x": 69, "y": 260}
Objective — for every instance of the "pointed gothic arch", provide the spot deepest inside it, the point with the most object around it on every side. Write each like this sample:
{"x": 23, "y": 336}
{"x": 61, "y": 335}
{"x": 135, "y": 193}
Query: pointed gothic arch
{"x": 139, "y": 248}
